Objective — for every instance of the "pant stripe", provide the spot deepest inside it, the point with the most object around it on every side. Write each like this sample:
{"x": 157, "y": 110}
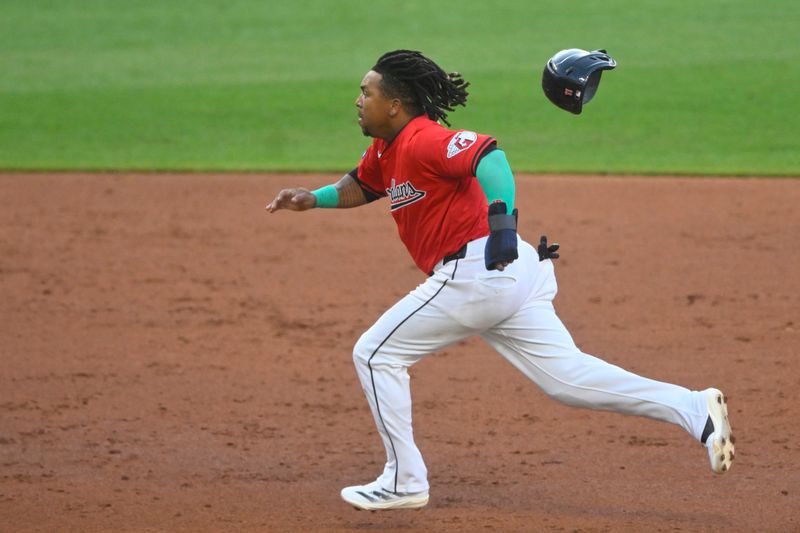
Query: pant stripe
{"x": 454, "y": 270}
{"x": 372, "y": 378}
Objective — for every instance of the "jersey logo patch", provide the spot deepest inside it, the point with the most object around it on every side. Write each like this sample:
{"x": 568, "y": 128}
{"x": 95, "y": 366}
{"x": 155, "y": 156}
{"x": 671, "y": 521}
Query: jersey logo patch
{"x": 403, "y": 195}
{"x": 460, "y": 142}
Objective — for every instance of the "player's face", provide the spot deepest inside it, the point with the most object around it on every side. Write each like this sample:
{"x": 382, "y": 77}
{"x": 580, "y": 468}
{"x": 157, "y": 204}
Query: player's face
{"x": 374, "y": 108}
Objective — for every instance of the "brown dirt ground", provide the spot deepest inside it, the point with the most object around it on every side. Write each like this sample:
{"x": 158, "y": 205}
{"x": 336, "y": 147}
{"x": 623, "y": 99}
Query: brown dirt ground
{"x": 176, "y": 359}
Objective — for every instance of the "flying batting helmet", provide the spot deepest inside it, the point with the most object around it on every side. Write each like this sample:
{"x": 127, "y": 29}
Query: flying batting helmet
{"x": 571, "y": 77}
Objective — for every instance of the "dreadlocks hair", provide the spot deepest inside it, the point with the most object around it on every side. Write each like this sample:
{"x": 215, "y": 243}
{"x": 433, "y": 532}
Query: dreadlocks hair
{"x": 420, "y": 84}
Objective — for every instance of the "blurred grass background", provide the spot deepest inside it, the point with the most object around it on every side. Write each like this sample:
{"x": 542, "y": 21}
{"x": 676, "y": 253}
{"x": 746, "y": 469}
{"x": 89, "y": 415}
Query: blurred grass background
{"x": 701, "y": 88}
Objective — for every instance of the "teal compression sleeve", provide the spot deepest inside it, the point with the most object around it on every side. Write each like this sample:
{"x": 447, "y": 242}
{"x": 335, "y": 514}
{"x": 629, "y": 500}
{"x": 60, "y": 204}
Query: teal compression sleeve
{"x": 496, "y": 179}
{"x": 327, "y": 196}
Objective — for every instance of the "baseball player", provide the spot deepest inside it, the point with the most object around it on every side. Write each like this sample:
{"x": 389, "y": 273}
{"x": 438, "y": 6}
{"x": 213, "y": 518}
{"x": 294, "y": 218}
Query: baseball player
{"x": 451, "y": 194}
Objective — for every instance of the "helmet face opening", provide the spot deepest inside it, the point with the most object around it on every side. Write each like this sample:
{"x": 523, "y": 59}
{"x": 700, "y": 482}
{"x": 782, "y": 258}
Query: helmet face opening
{"x": 571, "y": 77}
{"x": 592, "y": 85}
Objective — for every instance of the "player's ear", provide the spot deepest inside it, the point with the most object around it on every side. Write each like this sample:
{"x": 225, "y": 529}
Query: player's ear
{"x": 395, "y": 107}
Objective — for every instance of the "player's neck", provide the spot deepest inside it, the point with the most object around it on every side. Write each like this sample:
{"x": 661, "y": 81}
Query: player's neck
{"x": 396, "y": 126}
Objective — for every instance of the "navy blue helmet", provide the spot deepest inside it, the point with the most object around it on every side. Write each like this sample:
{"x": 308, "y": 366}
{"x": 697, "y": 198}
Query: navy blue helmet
{"x": 571, "y": 77}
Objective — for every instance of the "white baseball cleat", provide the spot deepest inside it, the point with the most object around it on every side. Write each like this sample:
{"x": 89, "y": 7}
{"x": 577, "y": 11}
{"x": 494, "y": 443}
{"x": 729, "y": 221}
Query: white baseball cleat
{"x": 717, "y": 436}
{"x": 373, "y": 497}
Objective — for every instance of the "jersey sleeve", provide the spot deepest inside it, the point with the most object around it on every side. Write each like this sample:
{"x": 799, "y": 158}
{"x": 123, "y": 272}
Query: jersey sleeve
{"x": 454, "y": 154}
{"x": 368, "y": 174}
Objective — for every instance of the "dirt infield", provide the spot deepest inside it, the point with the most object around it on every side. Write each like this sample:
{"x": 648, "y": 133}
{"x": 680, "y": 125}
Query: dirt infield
{"x": 176, "y": 359}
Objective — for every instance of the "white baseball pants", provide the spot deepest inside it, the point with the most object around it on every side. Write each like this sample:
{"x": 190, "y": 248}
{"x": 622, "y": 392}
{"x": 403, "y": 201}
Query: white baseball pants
{"x": 513, "y": 311}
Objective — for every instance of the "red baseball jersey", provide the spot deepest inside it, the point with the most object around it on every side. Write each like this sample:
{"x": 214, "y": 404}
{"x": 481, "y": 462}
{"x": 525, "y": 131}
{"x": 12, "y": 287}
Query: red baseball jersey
{"x": 428, "y": 173}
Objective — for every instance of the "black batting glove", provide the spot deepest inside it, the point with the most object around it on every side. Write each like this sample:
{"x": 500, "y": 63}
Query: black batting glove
{"x": 501, "y": 246}
{"x": 547, "y": 252}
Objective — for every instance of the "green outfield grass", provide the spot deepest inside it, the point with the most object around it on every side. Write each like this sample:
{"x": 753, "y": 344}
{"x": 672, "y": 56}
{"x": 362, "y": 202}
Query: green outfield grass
{"x": 701, "y": 88}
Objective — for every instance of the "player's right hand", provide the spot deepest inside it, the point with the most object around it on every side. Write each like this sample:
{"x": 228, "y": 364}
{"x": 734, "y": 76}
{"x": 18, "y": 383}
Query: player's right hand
{"x": 293, "y": 199}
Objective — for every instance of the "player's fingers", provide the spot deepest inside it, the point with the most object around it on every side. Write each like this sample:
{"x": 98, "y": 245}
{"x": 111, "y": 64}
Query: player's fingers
{"x": 553, "y": 247}
{"x": 281, "y": 200}
{"x": 286, "y": 195}
{"x": 502, "y": 266}
{"x": 554, "y": 256}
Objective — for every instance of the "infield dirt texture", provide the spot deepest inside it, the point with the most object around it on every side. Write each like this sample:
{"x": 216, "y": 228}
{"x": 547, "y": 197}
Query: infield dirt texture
{"x": 176, "y": 359}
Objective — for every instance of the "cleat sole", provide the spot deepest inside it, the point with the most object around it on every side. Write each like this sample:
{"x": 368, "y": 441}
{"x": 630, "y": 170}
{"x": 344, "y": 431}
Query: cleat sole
{"x": 720, "y": 442}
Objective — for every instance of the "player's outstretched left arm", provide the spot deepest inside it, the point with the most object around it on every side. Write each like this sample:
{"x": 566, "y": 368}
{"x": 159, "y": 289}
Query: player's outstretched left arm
{"x": 345, "y": 193}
